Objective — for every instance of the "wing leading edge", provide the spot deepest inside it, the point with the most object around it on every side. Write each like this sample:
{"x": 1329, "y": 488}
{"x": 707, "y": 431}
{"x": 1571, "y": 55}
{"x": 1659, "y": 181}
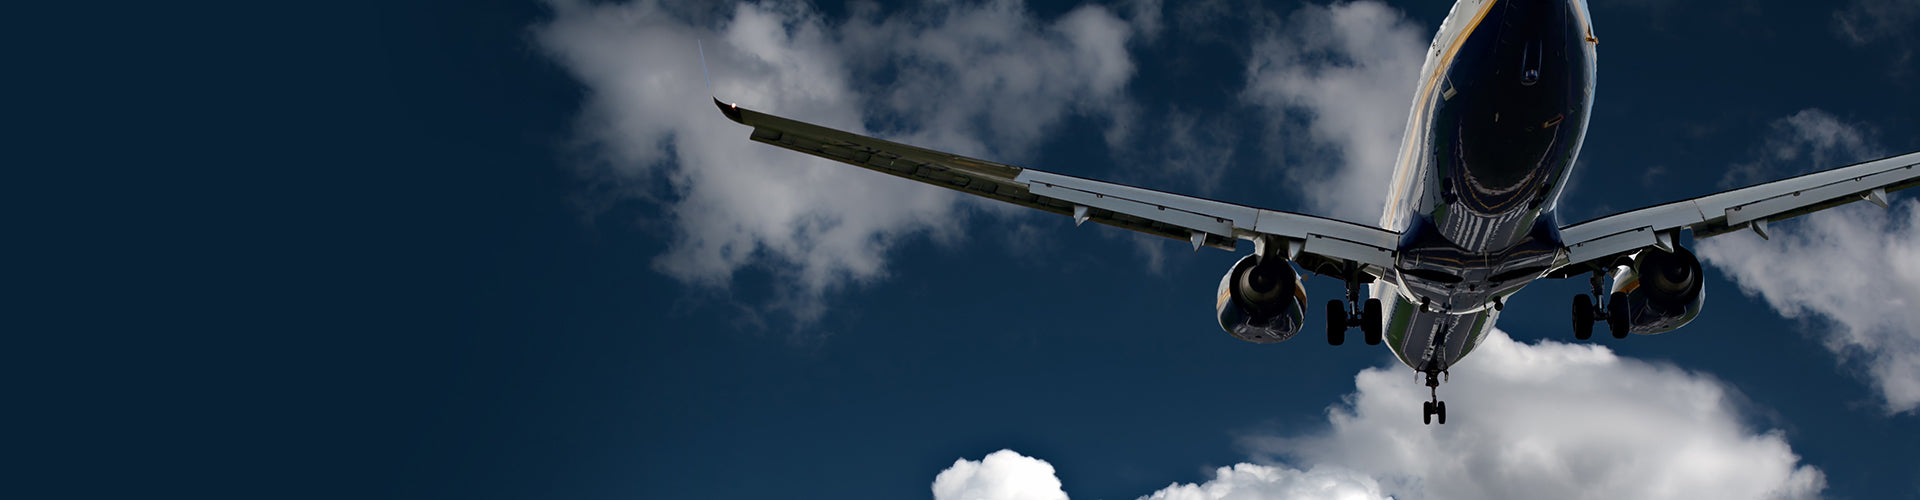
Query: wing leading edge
{"x": 1322, "y": 245}
{"x": 1751, "y": 207}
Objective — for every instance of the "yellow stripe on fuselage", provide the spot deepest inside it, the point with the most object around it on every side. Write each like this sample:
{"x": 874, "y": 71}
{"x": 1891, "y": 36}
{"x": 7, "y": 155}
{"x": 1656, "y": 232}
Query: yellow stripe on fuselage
{"x": 1420, "y": 109}
{"x": 1586, "y": 24}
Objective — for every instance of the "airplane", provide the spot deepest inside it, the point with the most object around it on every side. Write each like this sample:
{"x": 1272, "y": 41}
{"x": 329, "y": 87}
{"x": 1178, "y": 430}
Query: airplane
{"x": 1500, "y": 114}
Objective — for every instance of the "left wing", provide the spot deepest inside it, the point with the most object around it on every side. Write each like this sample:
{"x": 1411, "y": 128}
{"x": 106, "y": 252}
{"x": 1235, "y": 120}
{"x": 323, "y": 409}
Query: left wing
{"x": 1322, "y": 245}
{"x": 1751, "y": 207}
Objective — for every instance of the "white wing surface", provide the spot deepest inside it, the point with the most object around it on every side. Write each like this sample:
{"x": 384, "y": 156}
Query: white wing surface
{"x": 1751, "y": 207}
{"x": 1321, "y": 245}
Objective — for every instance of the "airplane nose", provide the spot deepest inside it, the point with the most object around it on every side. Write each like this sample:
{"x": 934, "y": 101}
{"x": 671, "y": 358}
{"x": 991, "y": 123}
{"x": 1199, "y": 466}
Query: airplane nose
{"x": 1521, "y": 84}
{"x": 1527, "y": 28}
{"x": 1536, "y": 13}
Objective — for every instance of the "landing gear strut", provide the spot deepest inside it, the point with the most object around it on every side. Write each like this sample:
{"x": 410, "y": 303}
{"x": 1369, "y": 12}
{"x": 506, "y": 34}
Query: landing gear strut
{"x": 1340, "y": 316}
{"x": 1587, "y": 309}
{"x": 1434, "y": 406}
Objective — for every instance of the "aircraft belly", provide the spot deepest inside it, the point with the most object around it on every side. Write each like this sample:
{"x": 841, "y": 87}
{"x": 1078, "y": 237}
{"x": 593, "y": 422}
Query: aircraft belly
{"x": 1496, "y": 123}
{"x": 1430, "y": 341}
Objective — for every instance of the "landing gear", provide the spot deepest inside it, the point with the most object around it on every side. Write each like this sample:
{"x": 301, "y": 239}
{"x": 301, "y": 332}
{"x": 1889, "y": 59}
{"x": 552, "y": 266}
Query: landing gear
{"x": 1336, "y": 322}
{"x": 1340, "y": 316}
{"x": 1370, "y": 323}
{"x": 1617, "y": 315}
{"x": 1582, "y": 317}
{"x": 1435, "y": 406}
{"x": 1614, "y": 312}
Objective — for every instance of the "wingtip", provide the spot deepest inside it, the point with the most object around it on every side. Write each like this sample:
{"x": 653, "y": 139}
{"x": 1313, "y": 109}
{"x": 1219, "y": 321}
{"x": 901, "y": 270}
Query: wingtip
{"x": 732, "y": 111}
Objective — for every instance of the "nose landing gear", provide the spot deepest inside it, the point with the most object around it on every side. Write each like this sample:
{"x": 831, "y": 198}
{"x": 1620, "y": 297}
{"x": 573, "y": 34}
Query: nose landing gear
{"x": 1433, "y": 406}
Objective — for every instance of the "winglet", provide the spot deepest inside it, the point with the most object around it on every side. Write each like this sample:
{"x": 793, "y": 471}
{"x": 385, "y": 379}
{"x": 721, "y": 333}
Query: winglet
{"x": 732, "y": 111}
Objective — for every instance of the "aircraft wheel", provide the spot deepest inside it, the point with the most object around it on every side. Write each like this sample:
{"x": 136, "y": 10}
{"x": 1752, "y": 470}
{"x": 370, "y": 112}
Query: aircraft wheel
{"x": 1370, "y": 322}
{"x": 1336, "y": 322}
{"x": 1582, "y": 317}
{"x": 1441, "y": 409}
{"x": 1426, "y": 412}
{"x": 1617, "y": 315}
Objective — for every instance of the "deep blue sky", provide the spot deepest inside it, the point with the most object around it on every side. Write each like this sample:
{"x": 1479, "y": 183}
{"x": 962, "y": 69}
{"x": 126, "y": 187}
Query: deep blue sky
{"x": 279, "y": 251}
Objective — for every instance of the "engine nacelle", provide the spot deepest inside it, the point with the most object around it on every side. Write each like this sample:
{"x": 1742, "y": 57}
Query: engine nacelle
{"x": 1261, "y": 302}
{"x": 1665, "y": 290}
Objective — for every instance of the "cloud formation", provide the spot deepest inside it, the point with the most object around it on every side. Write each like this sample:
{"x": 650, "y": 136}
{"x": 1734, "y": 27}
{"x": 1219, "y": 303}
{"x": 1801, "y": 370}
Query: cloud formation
{"x": 1542, "y": 420}
{"x": 1554, "y": 420}
{"x": 1002, "y": 475}
{"x": 1008, "y": 475}
{"x": 985, "y": 79}
{"x": 1865, "y": 21}
{"x": 1348, "y": 72}
{"x": 1259, "y": 482}
{"x": 1805, "y": 141}
{"x": 1854, "y": 270}
{"x": 1893, "y": 22}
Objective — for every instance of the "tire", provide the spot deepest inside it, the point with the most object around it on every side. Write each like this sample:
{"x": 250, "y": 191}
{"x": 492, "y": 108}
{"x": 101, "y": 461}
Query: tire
{"x": 1617, "y": 315}
{"x": 1370, "y": 323}
{"x": 1582, "y": 317}
{"x": 1426, "y": 412}
{"x": 1336, "y": 322}
{"x": 1441, "y": 408}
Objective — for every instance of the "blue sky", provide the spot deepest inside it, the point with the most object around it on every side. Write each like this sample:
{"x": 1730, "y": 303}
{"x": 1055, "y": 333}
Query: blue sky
{"x": 509, "y": 250}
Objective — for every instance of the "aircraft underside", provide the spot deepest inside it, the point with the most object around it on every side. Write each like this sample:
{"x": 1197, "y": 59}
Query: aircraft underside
{"x": 1498, "y": 117}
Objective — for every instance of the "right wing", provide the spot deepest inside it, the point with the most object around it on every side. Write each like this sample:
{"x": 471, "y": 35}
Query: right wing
{"x": 1319, "y": 244}
{"x": 1750, "y": 207}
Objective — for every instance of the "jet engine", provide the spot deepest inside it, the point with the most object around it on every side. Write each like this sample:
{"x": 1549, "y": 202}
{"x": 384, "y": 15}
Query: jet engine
{"x": 1261, "y": 300}
{"x": 1664, "y": 290}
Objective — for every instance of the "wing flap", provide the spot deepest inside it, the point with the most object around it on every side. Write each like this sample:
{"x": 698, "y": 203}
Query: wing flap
{"x": 1212, "y": 217}
{"x": 1840, "y": 192}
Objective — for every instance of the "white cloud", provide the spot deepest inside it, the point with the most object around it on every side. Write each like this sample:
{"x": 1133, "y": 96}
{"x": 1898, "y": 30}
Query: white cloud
{"x": 1259, "y": 482}
{"x": 1543, "y": 420}
{"x": 1805, "y": 141}
{"x": 984, "y": 79}
{"x": 1002, "y": 475}
{"x": 1554, "y": 420}
{"x": 1188, "y": 150}
{"x": 1007, "y": 475}
{"x": 1348, "y": 71}
{"x": 989, "y": 79}
{"x": 1855, "y": 268}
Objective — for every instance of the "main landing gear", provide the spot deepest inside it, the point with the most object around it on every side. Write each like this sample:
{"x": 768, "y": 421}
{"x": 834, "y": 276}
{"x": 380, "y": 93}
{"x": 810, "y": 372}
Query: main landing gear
{"x": 1340, "y": 316}
{"x": 1434, "y": 406}
{"x": 1585, "y": 314}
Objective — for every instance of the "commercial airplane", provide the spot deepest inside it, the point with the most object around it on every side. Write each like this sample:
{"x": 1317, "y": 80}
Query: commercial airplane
{"x": 1498, "y": 118}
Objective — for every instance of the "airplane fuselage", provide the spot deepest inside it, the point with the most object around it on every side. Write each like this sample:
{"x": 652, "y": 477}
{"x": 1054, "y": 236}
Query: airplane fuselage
{"x": 1497, "y": 120}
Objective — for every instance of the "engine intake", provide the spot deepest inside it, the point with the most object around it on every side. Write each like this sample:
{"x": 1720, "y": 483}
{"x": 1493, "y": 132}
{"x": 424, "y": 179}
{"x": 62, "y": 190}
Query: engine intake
{"x": 1261, "y": 302}
{"x": 1665, "y": 290}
